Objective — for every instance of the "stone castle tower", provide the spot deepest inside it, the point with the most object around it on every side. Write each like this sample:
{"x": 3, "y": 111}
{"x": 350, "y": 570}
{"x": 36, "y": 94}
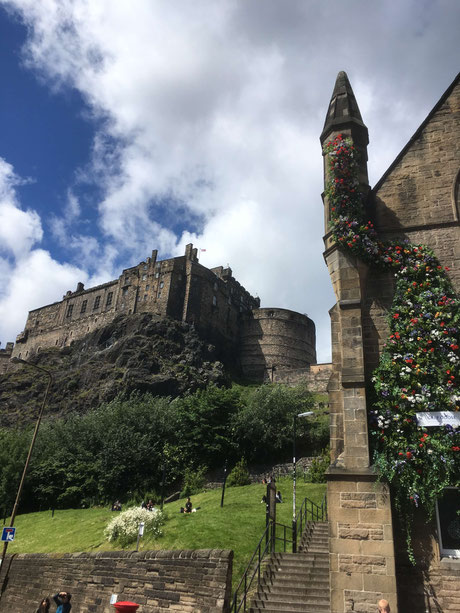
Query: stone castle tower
{"x": 416, "y": 199}
{"x": 264, "y": 342}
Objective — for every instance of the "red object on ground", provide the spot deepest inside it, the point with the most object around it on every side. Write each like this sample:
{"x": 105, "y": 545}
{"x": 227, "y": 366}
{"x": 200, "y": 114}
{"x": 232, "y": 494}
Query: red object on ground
{"x": 126, "y": 607}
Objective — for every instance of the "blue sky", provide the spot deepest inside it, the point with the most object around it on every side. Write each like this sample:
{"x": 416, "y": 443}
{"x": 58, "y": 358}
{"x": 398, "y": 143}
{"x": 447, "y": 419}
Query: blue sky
{"x": 126, "y": 127}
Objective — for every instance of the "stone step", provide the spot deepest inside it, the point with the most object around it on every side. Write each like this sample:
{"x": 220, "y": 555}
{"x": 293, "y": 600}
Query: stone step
{"x": 285, "y": 608}
{"x": 300, "y": 574}
{"x": 288, "y": 584}
{"x": 287, "y": 605}
{"x": 297, "y": 582}
{"x": 296, "y": 598}
{"x": 304, "y": 591}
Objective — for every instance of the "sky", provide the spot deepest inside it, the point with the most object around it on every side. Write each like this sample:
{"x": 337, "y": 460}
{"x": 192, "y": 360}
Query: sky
{"x": 149, "y": 124}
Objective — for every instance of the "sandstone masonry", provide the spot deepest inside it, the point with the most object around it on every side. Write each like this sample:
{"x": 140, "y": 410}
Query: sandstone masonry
{"x": 179, "y": 581}
{"x": 212, "y": 300}
{"x": 418, "y": 199}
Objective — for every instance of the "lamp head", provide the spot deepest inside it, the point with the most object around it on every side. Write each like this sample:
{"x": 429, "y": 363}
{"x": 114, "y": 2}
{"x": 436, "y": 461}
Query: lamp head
{"x": 306, "y": 414}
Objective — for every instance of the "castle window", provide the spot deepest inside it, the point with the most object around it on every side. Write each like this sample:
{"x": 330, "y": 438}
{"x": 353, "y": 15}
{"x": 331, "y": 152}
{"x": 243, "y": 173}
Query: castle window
{"x": 84, "y": 304}
{"x": 162, "y": 284}
{"x": 145, "y": 267}
{"x": 229, "y": 300}
{"x": 159, "y": 295}
{"x": 147, "y": 287}
{"x": 69, "y": 310}
{"x": 215, "y": 286}
{"x": 157, "y": 274}
{"x": 125, "y": 291}
{"x": 145, "y": 297}
{"x": 109, "y": 299}
{"x": 97, "y": 303}
{"x": 214, "y": 301}
{"x": 144, "y": 277}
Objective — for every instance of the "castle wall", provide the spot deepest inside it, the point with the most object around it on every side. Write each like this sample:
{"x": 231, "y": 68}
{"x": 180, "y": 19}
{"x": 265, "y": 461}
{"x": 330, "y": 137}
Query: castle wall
{"x": 175, "y": 581}
{"x": 315, "y": 377}
{"x": 180, "y": 288}
{"x": 273, "y": 339}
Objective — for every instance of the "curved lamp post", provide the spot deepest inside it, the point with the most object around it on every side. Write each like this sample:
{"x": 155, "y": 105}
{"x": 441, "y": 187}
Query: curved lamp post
{"x": 294, "y": 518}
{"x": 32, "y": 443}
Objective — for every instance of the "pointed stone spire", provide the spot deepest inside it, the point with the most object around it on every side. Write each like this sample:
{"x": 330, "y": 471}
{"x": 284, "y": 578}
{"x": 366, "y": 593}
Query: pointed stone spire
{"x": 343, "y": 112}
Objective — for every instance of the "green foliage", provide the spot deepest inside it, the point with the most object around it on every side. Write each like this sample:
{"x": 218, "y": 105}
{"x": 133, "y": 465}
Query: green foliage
{"x": 13, "y": 452}
{"x": 194, "y": 481}
{"x": 263, "y": 426}
{"x": 118, "y": 450}
{"x": 317, "y": 471}
{"x": 239, "y": 475}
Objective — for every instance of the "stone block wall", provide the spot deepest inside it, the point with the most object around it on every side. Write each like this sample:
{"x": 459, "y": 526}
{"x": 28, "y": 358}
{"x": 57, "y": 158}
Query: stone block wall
{"x": 316, "y": 376}
{"x": 273, "y": 339}
{"x": 179, "y": 287}
{"x": 433, "y": 584}
{"x": 361, "y": 544}
{"x": 170, "y": 581}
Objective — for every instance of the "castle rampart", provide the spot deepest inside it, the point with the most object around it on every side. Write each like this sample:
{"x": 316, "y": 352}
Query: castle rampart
{"x": 180, "y": 288}
{"x": 274, "y": 339}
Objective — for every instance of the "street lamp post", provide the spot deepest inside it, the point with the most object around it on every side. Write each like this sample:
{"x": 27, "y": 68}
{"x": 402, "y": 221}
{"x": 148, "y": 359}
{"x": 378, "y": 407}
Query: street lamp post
{"x": 294, "y": 518}
{"x": 32, "y": 443}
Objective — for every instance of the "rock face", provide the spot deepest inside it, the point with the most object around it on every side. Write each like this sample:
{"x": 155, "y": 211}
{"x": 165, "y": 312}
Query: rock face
{"x": 139, "y": 352}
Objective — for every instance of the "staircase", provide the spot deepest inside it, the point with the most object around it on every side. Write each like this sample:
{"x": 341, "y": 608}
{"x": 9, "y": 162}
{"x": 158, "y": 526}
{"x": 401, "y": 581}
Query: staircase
{"x": 298, "y": 582}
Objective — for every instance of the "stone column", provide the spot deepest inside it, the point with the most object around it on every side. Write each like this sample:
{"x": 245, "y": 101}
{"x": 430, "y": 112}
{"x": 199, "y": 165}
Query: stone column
{"x": 362, "y": 566}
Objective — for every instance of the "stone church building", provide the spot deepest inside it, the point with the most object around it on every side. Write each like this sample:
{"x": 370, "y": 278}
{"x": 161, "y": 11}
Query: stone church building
{"x": 417, "y": 199}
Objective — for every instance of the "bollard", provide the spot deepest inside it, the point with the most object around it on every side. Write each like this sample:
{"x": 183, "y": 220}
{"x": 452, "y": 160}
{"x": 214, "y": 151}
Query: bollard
{"x": 126, "y": 607}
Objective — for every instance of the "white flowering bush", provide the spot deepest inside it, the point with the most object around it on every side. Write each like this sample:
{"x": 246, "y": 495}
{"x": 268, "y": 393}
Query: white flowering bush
{"x": 124, "y": 527}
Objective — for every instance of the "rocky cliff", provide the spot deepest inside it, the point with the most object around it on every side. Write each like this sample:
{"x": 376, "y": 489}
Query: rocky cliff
{"x": 133, "y": 353}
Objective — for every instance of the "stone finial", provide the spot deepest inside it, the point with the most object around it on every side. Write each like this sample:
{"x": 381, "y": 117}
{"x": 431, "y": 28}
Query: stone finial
{"x": 343, "y": 111}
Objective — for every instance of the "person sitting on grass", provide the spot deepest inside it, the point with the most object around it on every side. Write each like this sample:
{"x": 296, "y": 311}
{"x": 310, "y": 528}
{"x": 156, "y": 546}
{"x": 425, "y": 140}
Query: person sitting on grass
{"x": 62, "y": 600}
{"x": 188, "y": 506}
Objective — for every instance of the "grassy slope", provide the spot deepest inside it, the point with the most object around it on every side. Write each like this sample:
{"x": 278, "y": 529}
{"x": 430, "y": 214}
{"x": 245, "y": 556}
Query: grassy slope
{"x": 238, "y": 525}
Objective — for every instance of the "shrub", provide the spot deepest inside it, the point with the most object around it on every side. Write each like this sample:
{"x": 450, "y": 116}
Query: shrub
{"x": 239, "y": 475}
{"x": 194, "y": 481}
{"x": 317, "y": 471}
{"x": 125, "y": 526}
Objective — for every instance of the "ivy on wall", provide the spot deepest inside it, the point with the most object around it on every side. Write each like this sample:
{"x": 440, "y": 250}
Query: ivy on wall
{"x": 419, "y": 365}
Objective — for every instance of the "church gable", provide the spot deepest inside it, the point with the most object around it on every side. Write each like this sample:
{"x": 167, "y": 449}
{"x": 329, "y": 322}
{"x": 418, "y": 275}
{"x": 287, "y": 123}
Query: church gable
{"x": 419, "y": 188}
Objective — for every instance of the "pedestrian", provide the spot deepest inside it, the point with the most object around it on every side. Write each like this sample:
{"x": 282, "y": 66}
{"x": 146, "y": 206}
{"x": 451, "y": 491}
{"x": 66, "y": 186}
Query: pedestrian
{"x": 384, "y": 606}
{"x": 62, "y": 600}
{"x": 44, "y": 605}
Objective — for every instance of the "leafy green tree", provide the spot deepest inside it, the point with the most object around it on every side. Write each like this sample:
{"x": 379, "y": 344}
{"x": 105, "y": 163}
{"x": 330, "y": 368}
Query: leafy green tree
{"x": 263, "y": 426}
{"x": 239, "y": 475}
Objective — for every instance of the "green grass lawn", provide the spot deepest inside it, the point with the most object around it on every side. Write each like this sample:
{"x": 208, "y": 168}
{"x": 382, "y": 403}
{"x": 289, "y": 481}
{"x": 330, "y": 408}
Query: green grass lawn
{"x": 238, "y": 525}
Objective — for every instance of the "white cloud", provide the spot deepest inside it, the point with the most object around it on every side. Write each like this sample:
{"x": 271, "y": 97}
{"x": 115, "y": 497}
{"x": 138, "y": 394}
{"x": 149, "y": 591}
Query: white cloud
{"x": 214, "y": 110}
{"x": 19, "y": 230}
{"x": 29, "y": 277}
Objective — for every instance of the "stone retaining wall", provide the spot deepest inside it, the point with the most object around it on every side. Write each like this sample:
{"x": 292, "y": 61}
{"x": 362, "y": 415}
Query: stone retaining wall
{"x": 172, "y": 581}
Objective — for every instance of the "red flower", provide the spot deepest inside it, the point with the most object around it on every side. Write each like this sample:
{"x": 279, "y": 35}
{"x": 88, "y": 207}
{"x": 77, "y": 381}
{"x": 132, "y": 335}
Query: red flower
{"x": 395, "y": 316}
{"x": 408, "y": 455}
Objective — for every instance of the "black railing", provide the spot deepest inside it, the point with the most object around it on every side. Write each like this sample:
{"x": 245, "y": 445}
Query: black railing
{"x": 270, "y": 543}
{"x": 310, "y": 512}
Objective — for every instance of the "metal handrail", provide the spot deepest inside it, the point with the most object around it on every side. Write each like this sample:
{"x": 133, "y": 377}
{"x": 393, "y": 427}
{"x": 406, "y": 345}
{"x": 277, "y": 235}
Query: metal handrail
{"x": 267, "y": 545}
{"x": 310, "y": 508}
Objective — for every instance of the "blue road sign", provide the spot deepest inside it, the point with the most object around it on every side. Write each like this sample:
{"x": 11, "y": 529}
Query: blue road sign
{"x": 8, "y": 534}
